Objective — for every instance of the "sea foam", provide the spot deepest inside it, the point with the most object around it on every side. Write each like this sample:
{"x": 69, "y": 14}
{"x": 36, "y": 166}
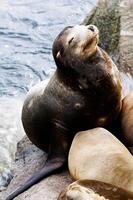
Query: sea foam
{"x": 11, "y": 131}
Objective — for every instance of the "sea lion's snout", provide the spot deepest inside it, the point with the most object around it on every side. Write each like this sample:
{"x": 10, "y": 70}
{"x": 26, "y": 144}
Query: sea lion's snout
{"x": 91, "y": 28}
{"x": 83, "y": 39}
{"x": 76, "y": 40}
{"x": 80, "y": 33}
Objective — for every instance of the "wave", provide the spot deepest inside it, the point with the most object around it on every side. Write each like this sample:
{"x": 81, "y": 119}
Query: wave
{"x": 11, "y": 131}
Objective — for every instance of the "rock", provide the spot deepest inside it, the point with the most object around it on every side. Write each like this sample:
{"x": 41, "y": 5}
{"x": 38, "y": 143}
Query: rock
{"x": 106, "y": 17}
{"x": 114, "y": 20}
{"x": 30, "y": 159}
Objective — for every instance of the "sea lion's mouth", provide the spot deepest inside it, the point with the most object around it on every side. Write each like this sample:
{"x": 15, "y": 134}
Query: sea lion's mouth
{"x": 89, "y": 42}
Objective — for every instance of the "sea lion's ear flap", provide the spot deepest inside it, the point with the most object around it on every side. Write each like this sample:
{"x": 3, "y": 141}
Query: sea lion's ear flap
{"x": 62, "y": 195}
{"x": 58, "y": 55}
{"x": 98, "y": 40}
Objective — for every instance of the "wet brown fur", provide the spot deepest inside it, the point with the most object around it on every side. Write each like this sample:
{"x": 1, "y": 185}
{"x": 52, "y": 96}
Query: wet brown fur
{"x": 53, "y": 118}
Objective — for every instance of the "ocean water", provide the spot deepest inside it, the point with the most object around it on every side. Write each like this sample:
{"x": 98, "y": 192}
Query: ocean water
{"x": 11, "y": 131}
{"x": 27, "y": 31}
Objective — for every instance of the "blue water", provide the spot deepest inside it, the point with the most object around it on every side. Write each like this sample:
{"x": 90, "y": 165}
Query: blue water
{"x": 27, "y": 31}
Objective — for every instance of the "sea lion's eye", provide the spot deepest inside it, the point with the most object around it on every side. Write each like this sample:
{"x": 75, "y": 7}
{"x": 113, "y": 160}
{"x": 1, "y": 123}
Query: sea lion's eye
{"x": 70, "y": 40}
{"x": 62, "y": 51}
{"x": 91, "y": 28}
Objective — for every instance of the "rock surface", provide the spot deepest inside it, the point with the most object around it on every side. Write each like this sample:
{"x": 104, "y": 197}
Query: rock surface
{"x": 30, "y": 159}
{"x": 114, "y": 21}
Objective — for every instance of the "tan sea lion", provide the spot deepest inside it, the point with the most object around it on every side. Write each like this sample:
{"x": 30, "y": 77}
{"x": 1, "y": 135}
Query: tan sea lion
{"x": 94, "y": 190}
{"x": 126, "y": 119}
{"x": 98, "y": 155}
{"x": 84, "y": 92}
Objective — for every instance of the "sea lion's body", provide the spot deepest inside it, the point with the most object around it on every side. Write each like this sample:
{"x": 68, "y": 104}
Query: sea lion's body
{"x": 84, "y": 92}
{"x": 94, "y": 190}
{"x": 102, "y": 166}
{"x": 126, "y": 119}
{"x": 98, "y": 155}
{"x": 63, "y": 109}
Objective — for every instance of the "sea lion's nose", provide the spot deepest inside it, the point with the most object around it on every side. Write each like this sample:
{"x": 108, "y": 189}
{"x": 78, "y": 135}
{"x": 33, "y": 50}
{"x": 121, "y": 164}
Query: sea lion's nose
{"x": 91, "y": 28}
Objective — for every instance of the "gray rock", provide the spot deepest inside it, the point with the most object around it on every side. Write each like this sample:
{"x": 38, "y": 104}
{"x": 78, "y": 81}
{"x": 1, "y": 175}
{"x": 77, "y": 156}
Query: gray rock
{"x": 114, "y": 20}
{"x": 29, "y": 159}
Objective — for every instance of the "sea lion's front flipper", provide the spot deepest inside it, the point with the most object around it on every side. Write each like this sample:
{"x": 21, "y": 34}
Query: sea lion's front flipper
{"x": 56, "y": 160}
{"x": 53, "y": 164}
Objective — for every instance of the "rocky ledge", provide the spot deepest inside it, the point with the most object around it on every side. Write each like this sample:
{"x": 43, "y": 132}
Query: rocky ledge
{"x": 29, "y": 159}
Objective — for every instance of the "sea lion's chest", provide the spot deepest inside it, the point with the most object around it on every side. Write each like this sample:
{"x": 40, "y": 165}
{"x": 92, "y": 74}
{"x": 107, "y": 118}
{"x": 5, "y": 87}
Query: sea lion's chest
{"x": 91, "y": 98}
{"x": 64, "y": 98}
{"x": 71, "y": 106}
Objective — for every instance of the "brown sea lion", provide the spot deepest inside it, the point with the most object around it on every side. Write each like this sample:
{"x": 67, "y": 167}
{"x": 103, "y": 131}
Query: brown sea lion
{"x": 94, "y": 190}
{"x": 84, "y": 92}
{"x": 98, "y": 155}
{"x": 126, "y": 119}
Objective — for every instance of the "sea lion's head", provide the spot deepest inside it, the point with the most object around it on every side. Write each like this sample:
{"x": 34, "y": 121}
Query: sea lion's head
{"x": 75, "y": 41}
{"x": 77, "y": 192}
{"x": 94, "y": 190}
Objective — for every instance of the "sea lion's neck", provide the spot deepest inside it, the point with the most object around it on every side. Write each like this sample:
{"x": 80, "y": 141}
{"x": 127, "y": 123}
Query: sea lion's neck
{"x": 67, "y": 77}
{"x": 75, "y": 69}
{"x": 89, "y": 52}
{"x": 84, "y": 72}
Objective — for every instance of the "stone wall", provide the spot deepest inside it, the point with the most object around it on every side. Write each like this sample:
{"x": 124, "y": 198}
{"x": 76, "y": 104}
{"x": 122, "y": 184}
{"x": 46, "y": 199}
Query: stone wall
{"x": 115, "y": 22}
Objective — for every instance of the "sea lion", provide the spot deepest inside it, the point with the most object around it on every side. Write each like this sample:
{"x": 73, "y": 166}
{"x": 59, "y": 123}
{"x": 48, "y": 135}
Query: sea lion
{"x": 84, "y": 92}
{"x": 94, "y": 190}
{"x": 126, "y": 119}
{"x": 98, "y": 155}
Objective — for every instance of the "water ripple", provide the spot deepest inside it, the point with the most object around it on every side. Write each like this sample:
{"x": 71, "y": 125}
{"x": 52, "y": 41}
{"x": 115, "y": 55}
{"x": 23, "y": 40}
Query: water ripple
{"x": 27, "y": 31}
